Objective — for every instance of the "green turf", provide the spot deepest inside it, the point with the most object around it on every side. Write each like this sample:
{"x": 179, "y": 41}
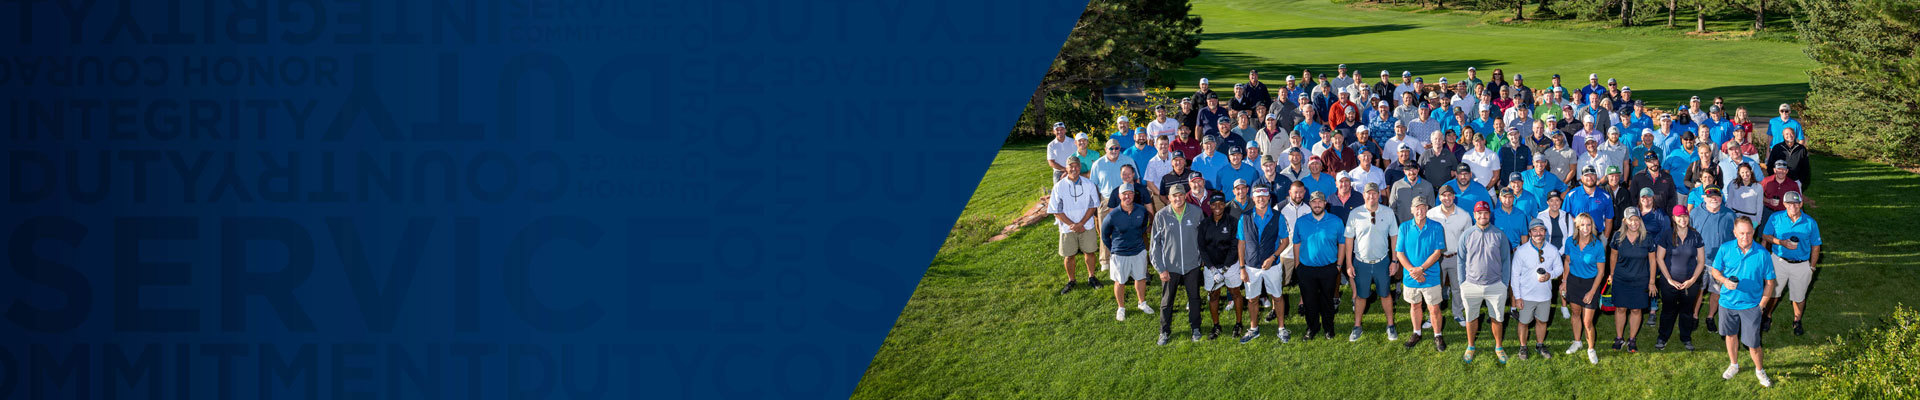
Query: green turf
{"x": 1282, "y": 37}
{"x": 985, "y": 322}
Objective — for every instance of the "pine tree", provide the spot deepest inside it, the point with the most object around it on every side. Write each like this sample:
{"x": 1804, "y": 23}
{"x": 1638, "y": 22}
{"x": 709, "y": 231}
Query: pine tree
{"x": 1865, "y": 98}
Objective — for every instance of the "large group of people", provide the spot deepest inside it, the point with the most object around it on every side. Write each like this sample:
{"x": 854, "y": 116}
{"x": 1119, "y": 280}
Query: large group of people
{"x": 1486, "y": 200}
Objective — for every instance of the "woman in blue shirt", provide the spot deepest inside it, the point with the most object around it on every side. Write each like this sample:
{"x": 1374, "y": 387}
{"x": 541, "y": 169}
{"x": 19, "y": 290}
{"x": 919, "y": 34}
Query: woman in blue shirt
{"x": 1631, "y": 282}
{"x": 1586, "y": 260}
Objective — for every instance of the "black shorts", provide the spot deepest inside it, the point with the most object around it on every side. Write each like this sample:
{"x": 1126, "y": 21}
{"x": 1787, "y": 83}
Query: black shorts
{"x": 1577, "y": 291}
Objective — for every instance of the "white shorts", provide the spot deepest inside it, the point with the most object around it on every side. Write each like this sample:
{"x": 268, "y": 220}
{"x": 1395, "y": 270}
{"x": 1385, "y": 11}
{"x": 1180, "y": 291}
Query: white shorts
{"x": 1223, "y": 277}
{"x": 1126, "y": 268}
{"x": 1266, "y": 282}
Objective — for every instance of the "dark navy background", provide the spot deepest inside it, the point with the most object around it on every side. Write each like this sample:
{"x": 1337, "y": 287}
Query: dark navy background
{"x": 486, "y": 198}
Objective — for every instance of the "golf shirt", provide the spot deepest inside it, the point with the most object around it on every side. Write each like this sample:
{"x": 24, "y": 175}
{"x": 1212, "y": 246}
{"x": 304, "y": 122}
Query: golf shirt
{"x": 1166, "y": 129}
{"x": 1584, "y": 262}
{"x": 1222, "y": 179}
{"x": 1140, "y": 155}
{"x": 1525, "y": 277}
{"x": 1483, "y": 255}
{"x": 1263, "y": 233}
{"x": 1777, "y": 125}
{"x": 1597, "y": 205}
{"x": 1782, "y": 227}
{"x": 1322, "y": 182}
{"x": 1124, "y": 232}
{"x": 1208, "y": 163}
{"x": 1318, "y": 239}
{"x": 1417, "y": 244}
{"x": 1061, "y": 152}
{"x": 1514, "y": 223}
{"x": 1537, "y": 185}
{"x": 1309, "y": 133}
{"x": 1370, "y": 231}
{"x": 1466, "y": 197}
{"x": 1483, "y": 163}
{"x": 1751, "y": 267}
{"x": 1681, "y": 254}
{"x": 1714, "y": 227}
{"x": 1106, "y": 174}
{"x": 1073, "y": 196}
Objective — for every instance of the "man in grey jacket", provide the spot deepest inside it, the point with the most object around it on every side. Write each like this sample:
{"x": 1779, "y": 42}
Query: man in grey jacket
{"x": 1176, "y": 255}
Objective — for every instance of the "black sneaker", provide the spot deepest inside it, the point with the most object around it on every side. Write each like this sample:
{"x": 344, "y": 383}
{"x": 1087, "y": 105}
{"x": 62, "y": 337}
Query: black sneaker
{"x": 1766, "y": 324}
{"x": 1688, "y": 344}
{"x": 1660, "y": 345}
{"x": 1522, "y": 354}
{"x": 1272, "y": 314}
{"x": 1329, "y": 334}
{"x": 1093, "y": 282}
{"x": 1215, "y": 334}
{"x": 1633, "y": 345}
{"x": 1542, "y": 349}
{"x": 1311, "y": 334}
{"x": 1415, "y": 340}
{"x": 1164, "y": 338}
{"x": 1239, "y": 330}
{"x": 1713, "y": 326}
{"x": 1068, "y": 288}
{"x": 1196, "y": 333}
{"x": 1797, "y": 330}
{"x": 1617, "y": 342}
{"x": 1439, "y": 343}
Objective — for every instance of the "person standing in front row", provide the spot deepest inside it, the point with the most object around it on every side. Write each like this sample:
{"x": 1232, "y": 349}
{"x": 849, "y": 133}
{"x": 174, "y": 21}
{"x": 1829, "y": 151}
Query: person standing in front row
{"x": 1421, "y": 246}
{"x": 1262, "y": 234}
{"x": 1747, "y": 280}
{"x": 1219, "y": 251}
{"x": 1795, "y": 238}
{"x": 1176, "y": 254}
{"x": 1318, "y": 238}
{"x": 1679, "y": 259}
{"x": 1586, "y": 262}
{"x": 1536, "y": 263}
{"x": 1371, "y": 228}
{"x": 1073, "y": 204}
{"x": 1484, "y": 264}
{"x": 1124, "y": 230}
{"x": 1631, "y": 280}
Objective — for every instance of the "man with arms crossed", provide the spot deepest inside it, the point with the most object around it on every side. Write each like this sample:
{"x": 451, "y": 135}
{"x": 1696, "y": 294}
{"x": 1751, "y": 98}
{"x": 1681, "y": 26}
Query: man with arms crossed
{"x": 1747, "y": 279}
{"x": 1219, "y": 253}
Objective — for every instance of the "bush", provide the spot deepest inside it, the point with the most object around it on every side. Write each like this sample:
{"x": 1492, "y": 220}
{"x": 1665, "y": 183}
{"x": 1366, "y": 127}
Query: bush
{"x": 1865, "y": 97}
{"x": 1875, "y": 363}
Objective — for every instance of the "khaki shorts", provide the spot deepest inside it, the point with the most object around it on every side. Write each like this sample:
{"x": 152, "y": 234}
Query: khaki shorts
{"x": 1531, "y": 311}
{"x": 1793, "y": 279}
{"x": 1106, "y": 256}
{"x": 1494, "y": 296}
{"x": 1426, "y": 295}
{"x": 1073, "y": 244}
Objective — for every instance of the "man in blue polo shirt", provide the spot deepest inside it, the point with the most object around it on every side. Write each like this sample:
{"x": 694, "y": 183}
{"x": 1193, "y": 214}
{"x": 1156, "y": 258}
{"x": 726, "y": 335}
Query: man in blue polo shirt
{"x": 1422, "y": 244}
{"x": 1236, "y": 169}
{"x": 1746, "y": 279}
{"x": 1124, "y": 132}
{"x": 1511, "y": 218}
{"x": 1209, "y": 161}
{"x": 1590, "y": 199}
{"x": 1714, "y": 221}
{"x": 1784, "y": 121}
{"x": 1541, "y": 180}
{"x": 1794, "y": 238}
{"x": 1320, "y": 239}
{"x": 1467, "y": 191}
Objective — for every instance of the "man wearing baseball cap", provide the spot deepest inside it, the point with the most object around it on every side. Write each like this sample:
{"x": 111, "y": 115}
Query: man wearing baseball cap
{"x": 1262, "y": 234}
{"x": 1319, "y": 241}
{"x": 1200, "y": 96}
{"x": 1657, "y": 179}
{"x": 1419, "y": 251}
{"x": 1746, "y": 279}
{"x": 1212, "y": 117}
{"x": 1124, "y": 231}
{"x": 1794, "y": 238}
{"x": 1467, "y": 190}
{"x": 1124, "y": 130}
{"x": 1591, "y": 200}
{"x": 1073, "y": 203}
{"x": 1536, "y": 263}
{"x": 1236, "y": 169}
{"x": 1371, "y": 228}
{"x": 1210, "y": 160}
{"x": 1714, "y": 220}
{"x": 1778, "y": 126}
{"x": 1484, "y": 261}
{"x": 1176, "y": 256}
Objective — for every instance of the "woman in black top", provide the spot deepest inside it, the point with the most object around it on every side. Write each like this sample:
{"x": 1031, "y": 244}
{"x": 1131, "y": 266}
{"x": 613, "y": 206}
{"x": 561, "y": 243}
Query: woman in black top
{"x": 1679, "y": 264}
{"x": 1630, "y": 283}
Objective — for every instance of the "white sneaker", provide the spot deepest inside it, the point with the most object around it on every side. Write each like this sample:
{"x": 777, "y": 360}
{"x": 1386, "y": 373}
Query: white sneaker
{"x": 1143, "y": 308}
{"x": 1426, "y": 325}
{"x": 1564, "y": 313}
{"x": 1393, "y": 335}
{"x": 1575, "y": 347}
{"x": 1119, "y": 314}
{"x": 1762, "y": 374}
{"x": 1593, "y": 357}
{"x": 1731, "y": 370}
{"x": 1265, "y": 302}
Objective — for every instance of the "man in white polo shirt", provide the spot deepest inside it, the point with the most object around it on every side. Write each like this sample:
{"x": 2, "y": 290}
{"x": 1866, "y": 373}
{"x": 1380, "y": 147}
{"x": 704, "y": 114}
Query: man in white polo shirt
{"x": 1073, "y": 203}
{"x": 1371, "y": 229}
{"x": 1060, "y": 150}
{"x": 1162, "y": 126}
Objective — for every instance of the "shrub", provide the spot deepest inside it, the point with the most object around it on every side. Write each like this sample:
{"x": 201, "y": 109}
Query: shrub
{"x": 1874, "y": 363}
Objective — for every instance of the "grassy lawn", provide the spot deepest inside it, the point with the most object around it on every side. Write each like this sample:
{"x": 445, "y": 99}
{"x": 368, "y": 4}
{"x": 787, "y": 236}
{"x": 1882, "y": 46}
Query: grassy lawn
{"x": 985, "y": 322}
{"x": 1282, "y": 37}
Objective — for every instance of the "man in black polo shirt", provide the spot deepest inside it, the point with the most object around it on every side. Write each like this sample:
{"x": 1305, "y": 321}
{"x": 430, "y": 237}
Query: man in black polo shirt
{"x": 1438, "y": 164}
{"x": 1256, "y": 90}
{"x": 1181, "y": 172}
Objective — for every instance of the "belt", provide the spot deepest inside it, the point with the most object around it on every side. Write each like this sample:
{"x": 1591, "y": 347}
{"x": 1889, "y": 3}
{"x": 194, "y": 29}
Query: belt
{"x": 1793, "y": 261}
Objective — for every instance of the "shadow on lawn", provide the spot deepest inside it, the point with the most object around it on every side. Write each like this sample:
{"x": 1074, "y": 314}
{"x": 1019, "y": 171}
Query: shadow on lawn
{"x": 1232, "y": 66}
{"x": 1313, "y": 32}
{"x": 1760, "y": 100}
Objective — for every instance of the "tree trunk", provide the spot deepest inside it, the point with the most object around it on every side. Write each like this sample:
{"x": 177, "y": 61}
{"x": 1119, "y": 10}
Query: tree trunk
{"x": 1700, "y": 19}
{"x": 1760, "y": 15}
{"x": 1626, "y": 13}
{"x": 1519, "y": 11}
{"x": 1671, "y": 5}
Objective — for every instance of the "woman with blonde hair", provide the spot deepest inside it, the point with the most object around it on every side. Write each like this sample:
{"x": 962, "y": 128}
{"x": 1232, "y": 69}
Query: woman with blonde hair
{"x": 1586, "y": 260}
{"x": 1631, "y": 280}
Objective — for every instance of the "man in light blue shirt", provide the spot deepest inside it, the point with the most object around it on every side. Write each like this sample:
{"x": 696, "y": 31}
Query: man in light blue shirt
{"x": 1746, "y": 280}
{"x": 1794, "y": 238}
{"x": 1210, "y": 160}
{"x": 1236, "y": 168}
{"x": 1319, "y": 238}
{"x": 1785, "y": 120}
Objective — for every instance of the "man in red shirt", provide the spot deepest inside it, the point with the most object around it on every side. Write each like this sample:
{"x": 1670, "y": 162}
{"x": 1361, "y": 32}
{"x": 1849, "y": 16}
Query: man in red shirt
{"x": 1184, "y": 143}
{"x": 1777, "y": 185}
{"x": 1337, "y": 112}
{"x": 1337, "y": 156}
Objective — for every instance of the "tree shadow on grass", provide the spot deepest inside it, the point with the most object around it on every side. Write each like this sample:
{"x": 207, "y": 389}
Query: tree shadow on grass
{"x": 1312, "y": 32}
{"x": 1760, "y": 100}
{"x": 1232, "y": 66}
